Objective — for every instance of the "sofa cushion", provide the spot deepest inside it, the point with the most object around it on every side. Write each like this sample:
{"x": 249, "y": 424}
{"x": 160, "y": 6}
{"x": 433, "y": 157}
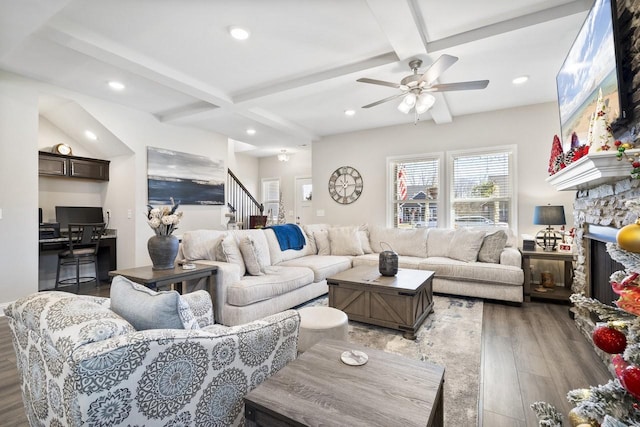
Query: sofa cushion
{"x": 201, "y": 244}
{"x": 277, "y": 255}
{"x": 492, "y": 247}
{"x": 228, "y": 251}
{"x": 321, "y": 265}
{"x": 364, "y": 241}
{"x": 277, "y": 281}
{"x": 147, "y": 309}
{"x": 447, "y": 268}
{"x": 345, "y": 241}
{"x": 438, "y": 240}
{"x": 373, "y": 261}
{"x": 465, "y": 244}
{"x": 252, "y": 257}
{"x": 411, "y": 242}
{"x": 322, "y": 242}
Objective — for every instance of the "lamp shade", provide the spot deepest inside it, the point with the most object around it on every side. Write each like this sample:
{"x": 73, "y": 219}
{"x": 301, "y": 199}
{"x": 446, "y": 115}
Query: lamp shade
{"x": 549, "y": 215}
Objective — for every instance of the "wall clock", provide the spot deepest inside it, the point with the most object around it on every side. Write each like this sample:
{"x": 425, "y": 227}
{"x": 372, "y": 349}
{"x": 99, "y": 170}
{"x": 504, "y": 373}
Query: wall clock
{"x": 62, "y": 149}
{"x": 345, "y": 185}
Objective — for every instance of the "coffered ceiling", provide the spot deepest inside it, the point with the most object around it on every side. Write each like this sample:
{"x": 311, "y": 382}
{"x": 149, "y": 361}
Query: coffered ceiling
{"x": 295, "y": 76}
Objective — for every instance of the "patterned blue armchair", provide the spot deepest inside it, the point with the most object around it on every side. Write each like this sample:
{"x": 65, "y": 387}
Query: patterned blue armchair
{"x": 82, "y": 364}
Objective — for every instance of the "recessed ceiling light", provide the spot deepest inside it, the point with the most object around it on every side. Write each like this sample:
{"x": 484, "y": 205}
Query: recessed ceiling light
{"x": 116, "y": 85}
{"x": 90, "y": 135}
{"x": 520, "y": 80}
{"x": 239, "y": 33}
{"x": 251, "y": 131}
{"x": 349, "y": 112}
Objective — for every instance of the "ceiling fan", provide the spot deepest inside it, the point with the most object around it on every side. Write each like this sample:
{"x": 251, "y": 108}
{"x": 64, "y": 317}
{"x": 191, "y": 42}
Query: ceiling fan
{"x": 416, "y": 87}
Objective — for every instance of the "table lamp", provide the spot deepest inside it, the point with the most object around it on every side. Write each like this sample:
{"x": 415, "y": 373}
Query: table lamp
{"x": 548, "y": 215}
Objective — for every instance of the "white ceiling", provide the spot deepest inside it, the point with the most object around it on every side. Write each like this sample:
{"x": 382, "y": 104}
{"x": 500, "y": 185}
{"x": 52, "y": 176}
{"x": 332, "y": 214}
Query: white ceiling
{"x": 296, "y": 74}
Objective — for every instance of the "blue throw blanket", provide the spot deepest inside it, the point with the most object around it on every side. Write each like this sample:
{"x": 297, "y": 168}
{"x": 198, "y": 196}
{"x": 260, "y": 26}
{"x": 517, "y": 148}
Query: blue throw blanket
{"x": 289, "y": 236}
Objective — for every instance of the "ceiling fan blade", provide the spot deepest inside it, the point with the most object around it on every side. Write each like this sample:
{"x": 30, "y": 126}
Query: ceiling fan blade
{"x": 437, "y": 68}
{"x": 379, "y": 82}
{"x": 373, "y": 104}
{"x": 447, "y": 87}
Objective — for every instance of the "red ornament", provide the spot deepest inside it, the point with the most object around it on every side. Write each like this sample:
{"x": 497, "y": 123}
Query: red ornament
{"x": 609, "y": 340}
{"x": 619, "y": 365}
{"x": 630, "y": 379}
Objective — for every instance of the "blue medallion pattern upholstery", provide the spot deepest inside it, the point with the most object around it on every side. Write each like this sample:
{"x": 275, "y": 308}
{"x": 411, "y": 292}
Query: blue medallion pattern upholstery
{"x": 82, "y": 364}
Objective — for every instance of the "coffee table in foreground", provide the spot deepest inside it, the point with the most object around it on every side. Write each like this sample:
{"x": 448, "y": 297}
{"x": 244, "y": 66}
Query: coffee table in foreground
{"x": 400, "y": 302}
{"x": 317, "y": 389}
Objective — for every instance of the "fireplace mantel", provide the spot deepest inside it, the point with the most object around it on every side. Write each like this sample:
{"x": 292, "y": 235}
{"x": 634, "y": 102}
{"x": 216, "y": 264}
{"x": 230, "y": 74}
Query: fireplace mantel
{"x": 592, "y": 170}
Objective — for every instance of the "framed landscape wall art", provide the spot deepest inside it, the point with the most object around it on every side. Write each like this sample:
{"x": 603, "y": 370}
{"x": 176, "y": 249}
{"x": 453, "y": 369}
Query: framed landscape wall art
{"x": 188, "y": 178}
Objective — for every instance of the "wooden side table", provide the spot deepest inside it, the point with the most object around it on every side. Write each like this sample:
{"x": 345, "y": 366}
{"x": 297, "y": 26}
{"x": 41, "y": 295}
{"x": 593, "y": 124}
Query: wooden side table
{"x": 158, "y": 278}
{"x": 558, "y": 293}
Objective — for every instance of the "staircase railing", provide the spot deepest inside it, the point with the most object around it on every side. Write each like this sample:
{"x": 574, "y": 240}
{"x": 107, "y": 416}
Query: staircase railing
{"x": 242, "y": 201}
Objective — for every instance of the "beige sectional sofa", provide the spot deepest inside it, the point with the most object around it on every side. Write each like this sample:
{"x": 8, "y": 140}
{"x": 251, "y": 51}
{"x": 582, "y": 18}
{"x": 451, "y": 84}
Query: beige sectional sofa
{"x": 256, "y": 278}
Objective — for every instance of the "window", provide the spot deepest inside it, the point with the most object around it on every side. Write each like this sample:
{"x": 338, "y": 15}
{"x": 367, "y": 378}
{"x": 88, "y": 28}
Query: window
{"x": 415, "y": 191}
{"x": 271, "y": 198}
{"x": 481, "y": 185}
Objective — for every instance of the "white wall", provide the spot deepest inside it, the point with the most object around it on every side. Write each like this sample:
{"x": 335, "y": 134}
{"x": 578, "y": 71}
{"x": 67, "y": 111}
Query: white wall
{"x": 19, "y": 189}
{"x": 126, "y": 191}
{"x": 298, "y": 166}
{"x": 530, "y": 128}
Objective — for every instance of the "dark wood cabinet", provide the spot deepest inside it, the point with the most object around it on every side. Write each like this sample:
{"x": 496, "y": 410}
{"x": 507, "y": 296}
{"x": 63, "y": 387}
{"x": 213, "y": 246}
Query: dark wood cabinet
{"x": 51, "y": 164}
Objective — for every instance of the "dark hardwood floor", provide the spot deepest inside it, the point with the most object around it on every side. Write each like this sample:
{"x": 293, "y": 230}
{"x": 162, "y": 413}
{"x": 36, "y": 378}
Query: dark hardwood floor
{"x": 529, "y": 353}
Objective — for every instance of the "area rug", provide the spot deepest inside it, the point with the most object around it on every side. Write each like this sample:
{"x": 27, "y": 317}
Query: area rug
{"x": 450, "y": 337}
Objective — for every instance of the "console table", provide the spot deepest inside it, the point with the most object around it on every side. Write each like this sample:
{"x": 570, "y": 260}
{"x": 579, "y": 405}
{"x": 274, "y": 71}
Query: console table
{"x": 317, "y": 389}
{"x": 159, "y": 278}
{"x": 558, "y": 293}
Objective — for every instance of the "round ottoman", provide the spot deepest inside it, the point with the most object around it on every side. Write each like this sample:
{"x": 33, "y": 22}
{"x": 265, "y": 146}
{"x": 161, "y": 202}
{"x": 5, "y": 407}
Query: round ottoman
{"x": 317, "y": 323}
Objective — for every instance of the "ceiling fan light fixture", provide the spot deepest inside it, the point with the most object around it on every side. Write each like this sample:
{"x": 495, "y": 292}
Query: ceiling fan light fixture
{"x": 410, "y": 99}
{"x": 424, "y": 102}
{"x": 404, "y": 108}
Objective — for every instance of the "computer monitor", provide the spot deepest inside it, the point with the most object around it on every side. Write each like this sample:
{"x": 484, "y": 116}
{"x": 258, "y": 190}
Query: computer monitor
{"x": 77, "y": 214}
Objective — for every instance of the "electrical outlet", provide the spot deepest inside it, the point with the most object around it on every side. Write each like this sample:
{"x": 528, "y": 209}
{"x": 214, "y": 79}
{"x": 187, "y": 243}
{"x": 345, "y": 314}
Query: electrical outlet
{"x": 129, "y": 214}
{"x": 108, "y": 211}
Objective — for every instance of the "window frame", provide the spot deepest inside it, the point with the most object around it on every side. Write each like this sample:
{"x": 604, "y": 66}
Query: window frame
{"x": 441, "y": 200}
{"x": 266, "y": 201}
{"x": 512, "y": 151}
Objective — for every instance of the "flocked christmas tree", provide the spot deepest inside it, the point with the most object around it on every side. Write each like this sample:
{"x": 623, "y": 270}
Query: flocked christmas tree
{"x": 281, "y": 217}
{"x": 616, "y": 403}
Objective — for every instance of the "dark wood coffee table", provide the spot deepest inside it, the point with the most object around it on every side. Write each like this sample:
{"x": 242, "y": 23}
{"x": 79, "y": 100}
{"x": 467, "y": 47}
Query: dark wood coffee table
{"x": 159, "y": 278}
{"x": 317, "y": 389}
{"x": 400, "y": 302}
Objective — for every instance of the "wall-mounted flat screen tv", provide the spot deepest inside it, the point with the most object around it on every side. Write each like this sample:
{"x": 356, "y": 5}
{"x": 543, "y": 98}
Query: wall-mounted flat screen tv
{"x": 593, "y": 63}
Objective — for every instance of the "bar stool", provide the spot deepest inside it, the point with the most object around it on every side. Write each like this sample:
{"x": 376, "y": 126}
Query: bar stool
{"x": 84, "y": 240}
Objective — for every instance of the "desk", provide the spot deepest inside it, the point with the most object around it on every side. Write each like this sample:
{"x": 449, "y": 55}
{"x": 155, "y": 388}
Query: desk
{"x": 158, "y": 278}
{"x": 559, "y": 293}
{"x": 49, "y": 248}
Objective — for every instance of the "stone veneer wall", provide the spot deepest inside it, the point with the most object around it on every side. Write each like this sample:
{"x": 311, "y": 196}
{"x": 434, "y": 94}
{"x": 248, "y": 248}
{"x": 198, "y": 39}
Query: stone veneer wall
{"x": 605, "y": 204}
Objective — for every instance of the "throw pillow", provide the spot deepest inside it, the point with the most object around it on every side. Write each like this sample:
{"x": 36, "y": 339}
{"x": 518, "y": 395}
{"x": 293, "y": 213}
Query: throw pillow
{"x": 364, "y": 242}
{"x": 322, "y": 242}
{"x": 228, "y": 251}
{"x": 251, "y": 255}
{"x": 201, "y": 244}
{"x": 492, "y": 247}
{"x": 345, "y": 241}
{"x": 465, "y": 244}
{"x": 147, "y": 309}
{"x": 438, "y": 240}
{"x": 311, "y": 240}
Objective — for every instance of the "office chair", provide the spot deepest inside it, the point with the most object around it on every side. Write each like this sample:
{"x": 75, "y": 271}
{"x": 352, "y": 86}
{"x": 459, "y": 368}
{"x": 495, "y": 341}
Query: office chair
{"x": 84, "y": 240}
